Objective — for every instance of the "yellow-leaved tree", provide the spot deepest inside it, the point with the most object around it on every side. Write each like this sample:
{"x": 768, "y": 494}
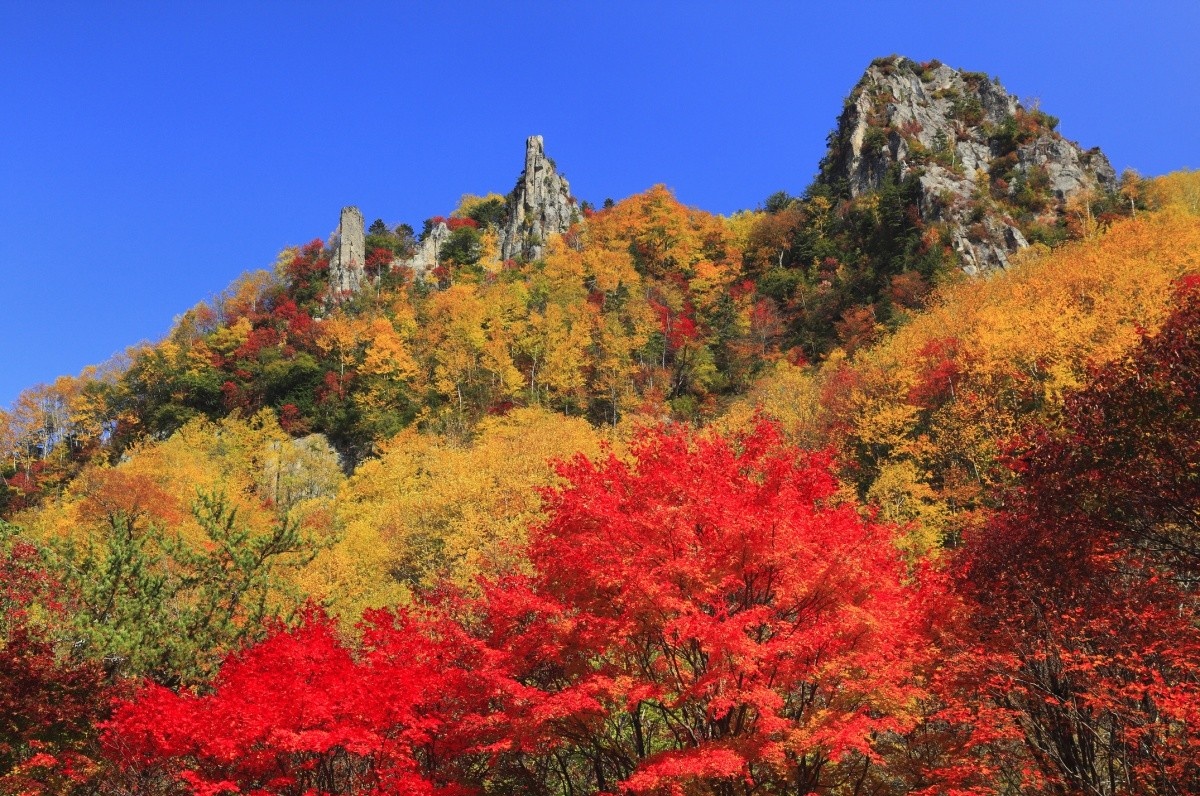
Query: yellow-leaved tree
{"x": 431, "y": 507}
{"x": 257, "y": 469}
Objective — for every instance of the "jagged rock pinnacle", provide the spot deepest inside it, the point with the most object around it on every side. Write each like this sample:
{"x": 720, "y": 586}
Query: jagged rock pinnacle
{"x": 539, "y": 206}
{"x": 346, "y": 267}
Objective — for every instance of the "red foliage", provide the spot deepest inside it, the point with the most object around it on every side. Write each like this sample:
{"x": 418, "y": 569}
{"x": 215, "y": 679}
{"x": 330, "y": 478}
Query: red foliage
{"x": 766, "y": 323}
{"x": 500, "y": 408}
{"x": 234, "y": 396}
{"x": 291, "y": 421}
{"x": 258, "y": 339}
{"x": 743, "y": 288}
{"x": 678, "y": 328}
{"x": 300, "y": 713}
{"x": 706, "y": 614}
{"x": 285, "y": 311}
{"x": 49, "y": 704}
{"x": 22, "y": 488}
{"x": 837, "y": 399}
{"x": 334, "y": 387}
{"x": 1083, "y": 586}
{"x": 940, "y": 367}
{"x": 378, "y": 261}
{"x": 441, "y": 273}
{"x": 908, "y": 289}
{"x": 309, "y": 263}
{"x": 857, "y": 328}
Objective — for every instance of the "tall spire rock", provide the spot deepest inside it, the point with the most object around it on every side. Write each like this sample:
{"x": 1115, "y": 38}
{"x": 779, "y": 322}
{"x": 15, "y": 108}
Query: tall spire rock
{"x": 539, "y": 206}
{"x": 346, "y": 267}
{"x": 988, "y": 167}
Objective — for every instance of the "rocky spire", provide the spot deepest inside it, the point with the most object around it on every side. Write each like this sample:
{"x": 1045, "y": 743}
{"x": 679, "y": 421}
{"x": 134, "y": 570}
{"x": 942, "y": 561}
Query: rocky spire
{"x": 346, "y": 274}
{"x": 986, "y": 165}
{"x": 539, "y": 206}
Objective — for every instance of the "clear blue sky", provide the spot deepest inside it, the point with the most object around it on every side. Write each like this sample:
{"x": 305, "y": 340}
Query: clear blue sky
{"x": 150, "y": 152}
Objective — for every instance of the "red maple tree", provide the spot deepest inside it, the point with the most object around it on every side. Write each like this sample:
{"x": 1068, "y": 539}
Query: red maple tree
{"x": 308, "y": 712}
{"x": 1083, "y": 586}
{"x": 707, "y": 615}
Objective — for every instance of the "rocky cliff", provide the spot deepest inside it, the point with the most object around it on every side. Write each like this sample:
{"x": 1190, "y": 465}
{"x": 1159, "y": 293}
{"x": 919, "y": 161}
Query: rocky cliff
{"x": 990, "y": 168}
{"x": 540, "y": 205}
{"x": 347, "y": 263}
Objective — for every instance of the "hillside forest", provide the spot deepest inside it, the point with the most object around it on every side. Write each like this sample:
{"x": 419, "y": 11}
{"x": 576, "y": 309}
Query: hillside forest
{"x": 781, "y": 502}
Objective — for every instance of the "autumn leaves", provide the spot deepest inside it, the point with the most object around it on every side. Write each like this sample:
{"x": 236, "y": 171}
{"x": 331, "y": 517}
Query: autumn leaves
{"x": 981, "y": 582}
{"x": 705, "y": 612}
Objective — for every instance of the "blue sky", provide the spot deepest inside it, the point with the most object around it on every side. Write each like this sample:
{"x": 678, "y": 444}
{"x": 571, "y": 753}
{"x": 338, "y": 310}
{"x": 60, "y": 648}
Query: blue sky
{"x": 151, "y": 152}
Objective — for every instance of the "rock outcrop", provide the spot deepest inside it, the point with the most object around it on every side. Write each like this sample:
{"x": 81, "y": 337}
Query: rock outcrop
{"x": 426, "y": 258}
{"x": 347, "y": 264}
{"x": 540, "y": 205}
{"x": 985, "y": 163}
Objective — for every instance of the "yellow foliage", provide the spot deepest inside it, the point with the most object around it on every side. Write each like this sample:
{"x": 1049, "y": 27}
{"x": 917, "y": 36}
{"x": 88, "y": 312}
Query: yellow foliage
{"x": 489, "y": 248}
{"x": 428, "y": 507}
{"x": 252, "y": 462}
{"x": 923, "y": 413}
{"x": 791, "y": 396}
{"x": 243, "y": 296}
{"x": 903, "y": 498}
{"x": 556, "y": 342}
{"x": 343, "y": 337}
{"x": 1179, "y": 189}
{"x": 667, "y": 237}
{"x": 387, "y": 354}
{"x": 262, "y": 474}
{"x": 741, "y": 224}
{"x": 228, "y": 339}
{"x": 295, "y": 471}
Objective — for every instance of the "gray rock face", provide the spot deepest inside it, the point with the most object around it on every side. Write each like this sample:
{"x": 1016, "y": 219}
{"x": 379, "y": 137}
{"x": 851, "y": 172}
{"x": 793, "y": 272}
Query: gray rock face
{"x": 346, "y": 274}
{"x": 539, "y": 206}
{"x": 1069, "y": 168}
{"x": 953, "y": 129}
{"x": 427, "y": 256}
